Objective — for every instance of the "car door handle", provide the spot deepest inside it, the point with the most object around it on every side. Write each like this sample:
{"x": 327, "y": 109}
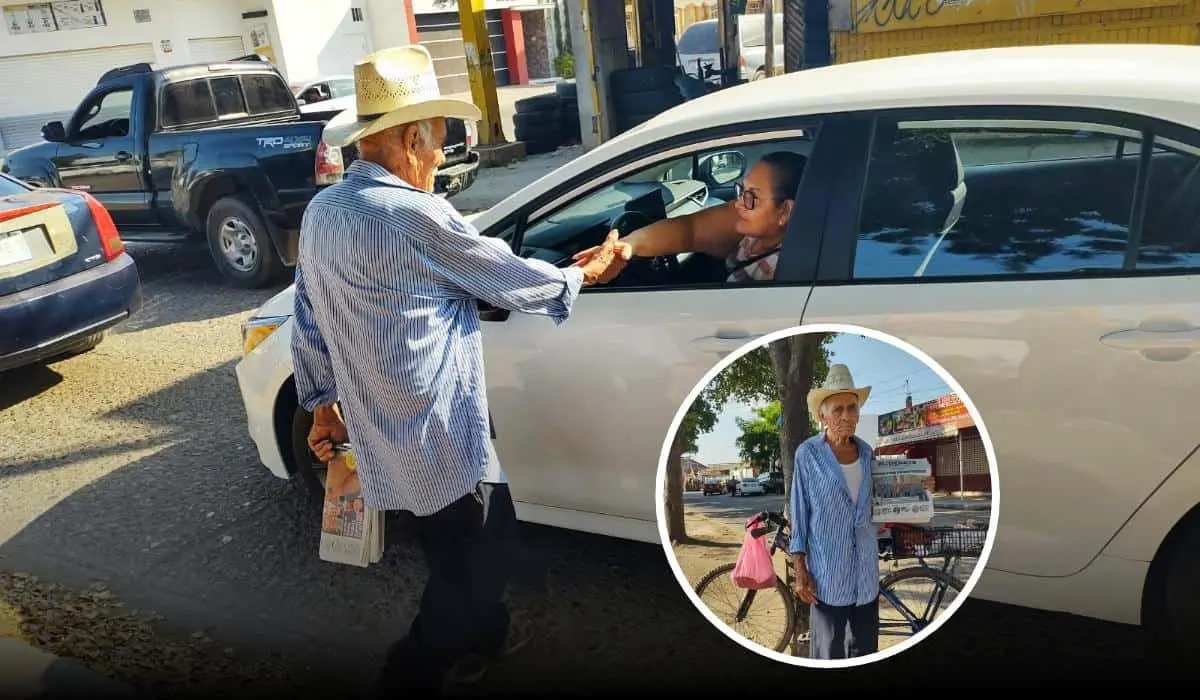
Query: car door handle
{"x": 123, "y": 156}
{"x": 724, "y": 341}
{"x": 1150, "y": 339}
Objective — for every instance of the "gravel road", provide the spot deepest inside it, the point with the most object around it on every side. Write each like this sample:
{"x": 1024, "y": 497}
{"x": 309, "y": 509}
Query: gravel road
{"x": 126, "y": 475}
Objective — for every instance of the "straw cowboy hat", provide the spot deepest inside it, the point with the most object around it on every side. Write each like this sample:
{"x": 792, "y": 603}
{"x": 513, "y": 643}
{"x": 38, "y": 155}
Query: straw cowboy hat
{"x": 392, "y": 87}
{"x": 837, "y": 381}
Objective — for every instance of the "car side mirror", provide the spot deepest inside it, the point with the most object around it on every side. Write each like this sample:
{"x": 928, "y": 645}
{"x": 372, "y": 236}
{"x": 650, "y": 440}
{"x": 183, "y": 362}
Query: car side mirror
{"x": 722, "y": 168}
{"x": 54, "y": 131}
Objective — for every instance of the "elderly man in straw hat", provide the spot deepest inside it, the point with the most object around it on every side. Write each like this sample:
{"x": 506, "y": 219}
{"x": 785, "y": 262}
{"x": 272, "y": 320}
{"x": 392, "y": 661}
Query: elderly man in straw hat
{"x": 834, "y": 547}
{"x": 387, "y": 326}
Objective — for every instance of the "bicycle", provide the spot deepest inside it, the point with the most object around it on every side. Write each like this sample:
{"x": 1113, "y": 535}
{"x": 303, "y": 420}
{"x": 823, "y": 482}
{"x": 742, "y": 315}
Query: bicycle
{"x": 902, "y": 541}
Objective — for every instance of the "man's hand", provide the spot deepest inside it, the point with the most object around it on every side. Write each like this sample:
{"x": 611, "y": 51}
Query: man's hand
{"x": 602, "y": 263}
{"x": 806, "y": 588}
{"x": 328, "y": 429}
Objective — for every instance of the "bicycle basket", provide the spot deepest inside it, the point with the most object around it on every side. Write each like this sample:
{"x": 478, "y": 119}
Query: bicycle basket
{"x": 942, "y": 541}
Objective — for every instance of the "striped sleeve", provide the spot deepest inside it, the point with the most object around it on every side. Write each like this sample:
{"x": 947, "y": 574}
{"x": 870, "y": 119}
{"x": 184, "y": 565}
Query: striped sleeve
{"x": 312, "y": 367}
{"x": 799, "y": 505}
{"x": 487, "y": 269}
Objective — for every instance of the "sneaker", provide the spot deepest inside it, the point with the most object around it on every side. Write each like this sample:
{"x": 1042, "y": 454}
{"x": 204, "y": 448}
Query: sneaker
{"x": 473, "y": 667}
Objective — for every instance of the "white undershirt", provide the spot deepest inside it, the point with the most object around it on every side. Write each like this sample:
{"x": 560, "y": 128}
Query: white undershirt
{"x": 853, "y": 472}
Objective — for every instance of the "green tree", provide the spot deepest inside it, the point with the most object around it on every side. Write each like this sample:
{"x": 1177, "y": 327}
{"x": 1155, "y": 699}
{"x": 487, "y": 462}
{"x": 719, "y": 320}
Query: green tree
{"x": 758, "y": 445}
{"x": 800, "y": 362}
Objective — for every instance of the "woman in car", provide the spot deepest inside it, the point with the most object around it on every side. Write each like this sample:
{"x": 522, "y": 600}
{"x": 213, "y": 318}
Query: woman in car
{"x": 746, "y": 233}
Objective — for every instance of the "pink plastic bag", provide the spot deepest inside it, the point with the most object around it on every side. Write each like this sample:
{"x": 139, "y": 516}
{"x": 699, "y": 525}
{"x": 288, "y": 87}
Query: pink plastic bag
{"x": 754, "y": 569}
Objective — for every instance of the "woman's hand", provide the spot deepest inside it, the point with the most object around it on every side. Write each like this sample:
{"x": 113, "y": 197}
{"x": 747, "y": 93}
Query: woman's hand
{"x": 585, "y": 256}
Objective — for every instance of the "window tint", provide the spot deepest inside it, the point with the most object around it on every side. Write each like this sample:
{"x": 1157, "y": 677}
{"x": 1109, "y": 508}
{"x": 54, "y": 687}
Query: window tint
{"x": 227, "y": 92}
{"x": 955, "y": 199}
{"x": 187, "y": 102}
{"x": 1171, "y": 228}
{"x": 266, "y": 94}
{"x": 699, "y": 38}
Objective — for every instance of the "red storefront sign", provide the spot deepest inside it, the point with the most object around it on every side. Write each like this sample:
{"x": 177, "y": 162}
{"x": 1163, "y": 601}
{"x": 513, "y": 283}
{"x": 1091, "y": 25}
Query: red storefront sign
{"x": 941, "y": 417}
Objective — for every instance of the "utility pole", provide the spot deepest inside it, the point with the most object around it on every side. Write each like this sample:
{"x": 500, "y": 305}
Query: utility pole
{"x": 769, "y": 37}
{"x": 480, "y": 71}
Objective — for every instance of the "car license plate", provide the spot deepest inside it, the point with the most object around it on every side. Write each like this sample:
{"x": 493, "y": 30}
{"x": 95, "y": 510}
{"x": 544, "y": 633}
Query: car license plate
{"x": 14, "y": 249}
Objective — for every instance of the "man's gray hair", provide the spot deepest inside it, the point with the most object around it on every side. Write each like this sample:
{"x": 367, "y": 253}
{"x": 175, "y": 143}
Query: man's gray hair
{"x": 425, "y": 132}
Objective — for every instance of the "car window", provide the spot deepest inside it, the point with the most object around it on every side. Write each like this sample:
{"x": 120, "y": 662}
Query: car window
{"x": 267, "y": 94}
{"x": 106, "y": 116}
{"x": 699, "y": 38}
{"x": 951, "y": 199}
{"x": 342, "y": 88}
{"x": 187, "y": 102}
{"x": 227, "y": 93}
{"x": 682, "y": 190}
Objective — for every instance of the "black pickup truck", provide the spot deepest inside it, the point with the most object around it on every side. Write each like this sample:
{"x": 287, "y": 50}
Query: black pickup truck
{"x": 218, "y": 152}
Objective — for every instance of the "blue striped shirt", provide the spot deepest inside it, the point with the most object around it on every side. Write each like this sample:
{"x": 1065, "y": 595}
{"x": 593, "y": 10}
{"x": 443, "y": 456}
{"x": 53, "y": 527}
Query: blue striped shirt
{"x": 836, "y": 534}
{"x": 387, "y": 323}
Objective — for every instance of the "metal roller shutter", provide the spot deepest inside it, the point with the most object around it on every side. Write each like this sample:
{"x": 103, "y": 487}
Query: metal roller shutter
{"x": 441, "y": 33}
{"x": 49, "y": 86}
{"x": 216, "y": 49}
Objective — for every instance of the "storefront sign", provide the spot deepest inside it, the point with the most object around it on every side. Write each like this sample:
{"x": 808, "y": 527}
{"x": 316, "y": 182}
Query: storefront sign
{"x": 942, "y": 417}
{"x": 888, "y": 15}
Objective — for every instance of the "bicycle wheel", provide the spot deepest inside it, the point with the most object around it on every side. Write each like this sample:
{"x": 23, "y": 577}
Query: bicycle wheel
{"x": 774, "y": 608}
{"x": 897, "y": 617}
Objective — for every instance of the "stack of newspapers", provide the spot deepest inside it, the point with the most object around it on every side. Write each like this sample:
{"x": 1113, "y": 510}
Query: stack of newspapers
{"x": 351, "y": 533}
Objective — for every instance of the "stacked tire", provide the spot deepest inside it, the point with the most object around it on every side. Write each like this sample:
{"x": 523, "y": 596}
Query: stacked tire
{"x": 538, "y": 122}
{"x": 639, "y": 94}
{"x": 568, "y": 98}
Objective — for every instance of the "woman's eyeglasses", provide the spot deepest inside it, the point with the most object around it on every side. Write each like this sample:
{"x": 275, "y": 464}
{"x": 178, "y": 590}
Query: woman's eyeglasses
{"x": 749, "y": 198}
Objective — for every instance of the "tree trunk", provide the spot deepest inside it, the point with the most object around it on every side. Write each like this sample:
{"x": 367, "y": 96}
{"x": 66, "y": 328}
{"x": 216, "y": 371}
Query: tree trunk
{"x": 793, "y": 359}
{"x": 769, "y": 37}
{"x": 676, "y": 529}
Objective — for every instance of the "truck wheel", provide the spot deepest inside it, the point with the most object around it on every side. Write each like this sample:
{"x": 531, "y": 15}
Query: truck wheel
{"x": 240, "y": 245}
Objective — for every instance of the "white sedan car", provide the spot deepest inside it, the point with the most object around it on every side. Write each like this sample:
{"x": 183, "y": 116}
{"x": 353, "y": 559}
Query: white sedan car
{"x": 1030, "y": 217}
{"x": 749, "y": 487}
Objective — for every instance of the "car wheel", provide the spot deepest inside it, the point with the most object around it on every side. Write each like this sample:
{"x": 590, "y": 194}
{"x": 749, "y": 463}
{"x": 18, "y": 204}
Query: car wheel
{"x": 308, "y": 472}
{"x": 240, "y": 244}
{"x": 1179, "y": 613}
{"x": 759, "y": 74}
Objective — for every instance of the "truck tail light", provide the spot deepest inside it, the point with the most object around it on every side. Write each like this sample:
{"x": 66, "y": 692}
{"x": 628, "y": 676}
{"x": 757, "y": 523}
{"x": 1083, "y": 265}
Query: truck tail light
{"x": 110, "y": 239}
{"x": 329, "y": 168}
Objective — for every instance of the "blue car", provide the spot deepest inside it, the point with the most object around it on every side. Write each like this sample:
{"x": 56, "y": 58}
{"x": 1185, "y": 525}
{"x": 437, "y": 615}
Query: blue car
{"x": 65, "y": 277}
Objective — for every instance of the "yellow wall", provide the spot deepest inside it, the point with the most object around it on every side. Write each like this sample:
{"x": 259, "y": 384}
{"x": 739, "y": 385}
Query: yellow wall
{"x": 899, "y": 27}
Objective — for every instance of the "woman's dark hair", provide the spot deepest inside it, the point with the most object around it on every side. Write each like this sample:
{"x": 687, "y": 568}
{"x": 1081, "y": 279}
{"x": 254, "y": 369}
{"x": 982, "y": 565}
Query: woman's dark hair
{"x": 788, "y": 168}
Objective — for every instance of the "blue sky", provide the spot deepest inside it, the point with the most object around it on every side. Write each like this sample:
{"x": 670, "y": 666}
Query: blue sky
{"x": 872, "y": 362}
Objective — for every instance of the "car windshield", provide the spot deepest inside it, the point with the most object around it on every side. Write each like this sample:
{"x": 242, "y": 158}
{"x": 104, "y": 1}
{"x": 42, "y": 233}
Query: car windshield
{"x": 700, "y": 38}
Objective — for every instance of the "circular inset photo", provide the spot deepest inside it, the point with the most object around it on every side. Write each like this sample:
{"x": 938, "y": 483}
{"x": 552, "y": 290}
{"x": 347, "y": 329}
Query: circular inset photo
{"x": 828, "y": 496}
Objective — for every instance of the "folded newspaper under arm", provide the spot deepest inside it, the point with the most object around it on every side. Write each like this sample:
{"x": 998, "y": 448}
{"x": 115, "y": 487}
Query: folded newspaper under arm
{"x": 351, "y": 533}
{"x": 898, "y": 493}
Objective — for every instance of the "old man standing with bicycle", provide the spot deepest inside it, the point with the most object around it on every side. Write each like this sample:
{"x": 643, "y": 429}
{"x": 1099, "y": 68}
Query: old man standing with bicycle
{"x": 833, "y": 544}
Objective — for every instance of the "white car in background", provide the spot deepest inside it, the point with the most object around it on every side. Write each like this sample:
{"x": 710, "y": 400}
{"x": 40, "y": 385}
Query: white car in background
{"x": 995, "y": 212}
{"x": 749, "y": 487}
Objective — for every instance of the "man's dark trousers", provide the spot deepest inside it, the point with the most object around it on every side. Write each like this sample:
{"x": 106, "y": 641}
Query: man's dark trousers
{"x": 469, "y": 549}
{"x": 843, "y": 631}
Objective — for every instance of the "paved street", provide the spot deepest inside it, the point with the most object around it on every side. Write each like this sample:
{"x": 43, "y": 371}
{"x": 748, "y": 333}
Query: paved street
{"x": 131, "y": 465}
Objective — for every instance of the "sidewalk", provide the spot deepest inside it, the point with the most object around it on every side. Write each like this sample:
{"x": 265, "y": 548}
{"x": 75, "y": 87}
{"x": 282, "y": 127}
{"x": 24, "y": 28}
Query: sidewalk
{"x": 27, "y": 673}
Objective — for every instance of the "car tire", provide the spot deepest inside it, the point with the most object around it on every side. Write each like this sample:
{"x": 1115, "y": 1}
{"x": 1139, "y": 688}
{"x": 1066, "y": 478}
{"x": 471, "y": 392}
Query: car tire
{"x": 759, "y": 74}
{"x": 307, "y": 470}
{"x": 1178, "y": 608}
{"x": 240, "y": 245}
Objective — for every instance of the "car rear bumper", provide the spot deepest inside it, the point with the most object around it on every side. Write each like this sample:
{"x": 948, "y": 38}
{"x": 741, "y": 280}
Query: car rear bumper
{"x": 453, "y": 179}
{"x": 42, "y": 322}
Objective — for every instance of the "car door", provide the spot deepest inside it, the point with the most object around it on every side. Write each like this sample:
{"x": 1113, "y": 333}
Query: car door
{"x": 1010, "y": 246}
{"x": 582, "y": 409}
{"x": 102, "y": 155}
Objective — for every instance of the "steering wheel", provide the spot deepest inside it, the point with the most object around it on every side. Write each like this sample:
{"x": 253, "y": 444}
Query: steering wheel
{"x": 658, "y": 269}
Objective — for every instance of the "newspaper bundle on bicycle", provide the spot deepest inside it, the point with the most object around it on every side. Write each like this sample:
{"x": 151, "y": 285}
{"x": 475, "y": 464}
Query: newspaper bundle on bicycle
{"x": 351, "y": 533}
{"x": 898, "y": 493}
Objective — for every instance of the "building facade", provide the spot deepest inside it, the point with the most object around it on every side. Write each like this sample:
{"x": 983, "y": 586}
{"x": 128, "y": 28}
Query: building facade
{"x": 943, "y": 432}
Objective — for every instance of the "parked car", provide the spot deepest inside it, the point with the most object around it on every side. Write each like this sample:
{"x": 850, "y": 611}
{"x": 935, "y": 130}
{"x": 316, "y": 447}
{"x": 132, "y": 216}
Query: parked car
{"x": 752, "y": 45}
{"x": 65, "y": 277}
{"x": 325, "y": 87}
{"x": 698, "y": 51}
{"x": 212, "y": 151}
{"x": 749, "y": 487}
{"x": 1026, "y": 216}
{"x": 713, "y": 486}
{"x": 772, "y": 482}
